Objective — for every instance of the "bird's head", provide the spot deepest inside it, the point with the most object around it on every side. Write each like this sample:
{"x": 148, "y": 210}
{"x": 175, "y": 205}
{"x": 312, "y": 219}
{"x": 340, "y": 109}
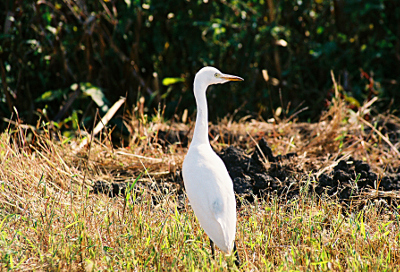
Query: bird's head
{"x": 210, "y": 75}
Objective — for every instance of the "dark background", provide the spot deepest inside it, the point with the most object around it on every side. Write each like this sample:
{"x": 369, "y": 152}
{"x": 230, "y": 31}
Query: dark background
{"x": 92, "y": 52}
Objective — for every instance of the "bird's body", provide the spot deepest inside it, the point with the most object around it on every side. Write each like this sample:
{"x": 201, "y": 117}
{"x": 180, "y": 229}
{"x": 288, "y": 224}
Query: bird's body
{"x": 211, "y": 196}
{"x": 207, "y": 182}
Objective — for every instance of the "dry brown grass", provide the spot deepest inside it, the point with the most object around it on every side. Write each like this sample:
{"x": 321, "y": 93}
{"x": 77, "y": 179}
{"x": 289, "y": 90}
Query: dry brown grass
{"x": 49, "y": 220}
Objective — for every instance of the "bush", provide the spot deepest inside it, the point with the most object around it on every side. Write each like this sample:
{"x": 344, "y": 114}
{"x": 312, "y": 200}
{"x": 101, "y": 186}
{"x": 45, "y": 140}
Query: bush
{"x": 127, "y": 48}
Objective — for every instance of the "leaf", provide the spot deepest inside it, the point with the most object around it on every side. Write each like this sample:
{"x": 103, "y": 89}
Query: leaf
{"x": 128, "y": 3}
{"x": 95, "y": 93}
{"x": 50, "y": 95}
{"x": 172, "y": 80}
{"x": 352, "y": 101}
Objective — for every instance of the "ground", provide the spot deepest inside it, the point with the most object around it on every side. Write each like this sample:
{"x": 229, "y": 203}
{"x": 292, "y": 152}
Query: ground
{"x": 310, "y": 196}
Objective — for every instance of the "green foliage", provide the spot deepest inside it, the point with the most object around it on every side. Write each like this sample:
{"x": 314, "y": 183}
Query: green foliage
{"x": 172, "y": 80}
{"x": 51, "y": 95}
{"x": 132, "y": 47}
{"x": 95, "y": 93}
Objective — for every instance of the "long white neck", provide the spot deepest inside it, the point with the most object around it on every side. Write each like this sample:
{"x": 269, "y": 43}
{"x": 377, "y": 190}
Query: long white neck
{"x": 200, "y": 135}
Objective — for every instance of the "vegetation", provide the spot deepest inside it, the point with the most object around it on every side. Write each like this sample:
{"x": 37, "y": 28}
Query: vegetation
{"x": 52, "y": 52}
{"x": 63, "y": 64}
{"x": 50, "y": 219}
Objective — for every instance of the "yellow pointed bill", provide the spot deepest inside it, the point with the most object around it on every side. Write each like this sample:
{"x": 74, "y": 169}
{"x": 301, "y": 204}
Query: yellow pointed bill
{"x": 231, "y": 77}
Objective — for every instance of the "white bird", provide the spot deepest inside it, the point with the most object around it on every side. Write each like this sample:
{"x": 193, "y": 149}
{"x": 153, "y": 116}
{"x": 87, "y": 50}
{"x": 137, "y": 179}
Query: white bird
{"x": 207, "y": 182}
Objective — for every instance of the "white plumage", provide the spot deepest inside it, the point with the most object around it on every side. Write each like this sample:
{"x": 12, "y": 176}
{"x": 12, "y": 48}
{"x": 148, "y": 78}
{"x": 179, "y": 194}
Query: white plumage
{"x": 207, "y": 182}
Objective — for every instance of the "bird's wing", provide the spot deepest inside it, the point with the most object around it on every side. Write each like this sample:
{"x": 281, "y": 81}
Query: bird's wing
{"x": 224, "y": 212}
{"x": 210, "y": 191}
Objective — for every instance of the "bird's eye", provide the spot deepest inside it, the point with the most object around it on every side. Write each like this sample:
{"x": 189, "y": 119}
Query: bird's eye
{"x": 216, "y": 74}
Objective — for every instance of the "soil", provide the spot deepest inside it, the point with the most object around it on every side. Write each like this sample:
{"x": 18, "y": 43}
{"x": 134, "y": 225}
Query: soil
{"x": 262, "y": 174}
{"x": 349, "y": 180}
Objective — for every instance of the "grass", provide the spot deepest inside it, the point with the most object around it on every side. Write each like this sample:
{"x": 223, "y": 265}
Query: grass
{"x": 49, "y": 219}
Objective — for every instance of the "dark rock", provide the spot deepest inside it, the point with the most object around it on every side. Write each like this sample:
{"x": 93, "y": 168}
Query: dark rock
{"x": 233, "y": 156}
{"x": 112, "y": 190}
{"x": 342, "y": 165}
{"x": 360, "y": 166}
{"x": 235, "y": 160}
{"x": 341, "y": 176}
{"x": 262, "y": 181}
{"x": 181, "y": 201}
{"x": 101, "y": 187}
{"x": 363, "y": 174}
{"x": 386, "y": 182}
{"x": 346, "y": 193}
{"x": 325, "y": 181}
{"x": 287, "y": 156}
{"x": 266, "y": 151}
{"x": 118, "y": 188}
{"x": 177, "y": 178}
{"x": 372, "y": 176}
{"x": 363, "y": 182}
{"x": 242, "y": 185}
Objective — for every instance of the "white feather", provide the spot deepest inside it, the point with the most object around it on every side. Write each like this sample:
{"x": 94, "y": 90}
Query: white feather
{"x": 207, "y": 182}
{"x": 211, "y": 195}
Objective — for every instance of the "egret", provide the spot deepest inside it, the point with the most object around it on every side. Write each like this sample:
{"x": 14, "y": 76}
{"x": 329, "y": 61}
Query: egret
{"x": 207, "y": 182}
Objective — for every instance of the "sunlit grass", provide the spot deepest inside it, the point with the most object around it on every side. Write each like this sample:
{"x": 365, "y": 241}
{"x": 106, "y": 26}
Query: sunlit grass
{"x": 50, "y": 220}
{"x": 94, "y": 232}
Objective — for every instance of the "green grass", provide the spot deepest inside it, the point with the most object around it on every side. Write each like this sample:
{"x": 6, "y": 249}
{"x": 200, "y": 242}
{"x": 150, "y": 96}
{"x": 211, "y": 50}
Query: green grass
{"x": 93, "y": 232}
{"x": 50, "y": 221}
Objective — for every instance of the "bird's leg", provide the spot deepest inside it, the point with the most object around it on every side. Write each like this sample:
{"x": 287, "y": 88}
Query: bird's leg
{"x": 212, "y": 248}
{"x": 237, "y": 261}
